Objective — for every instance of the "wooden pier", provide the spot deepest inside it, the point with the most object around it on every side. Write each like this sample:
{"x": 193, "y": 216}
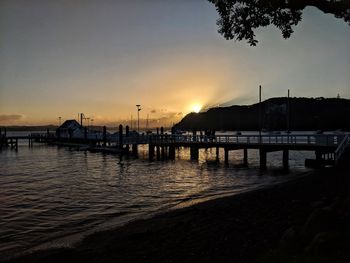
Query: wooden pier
{"x": 12, "y": 141}
{"x": 328, "y": 148}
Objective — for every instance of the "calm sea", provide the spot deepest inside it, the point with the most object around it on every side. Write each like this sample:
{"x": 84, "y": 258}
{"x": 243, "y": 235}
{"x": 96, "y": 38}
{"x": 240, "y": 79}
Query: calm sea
{"x": 54, "y": 196}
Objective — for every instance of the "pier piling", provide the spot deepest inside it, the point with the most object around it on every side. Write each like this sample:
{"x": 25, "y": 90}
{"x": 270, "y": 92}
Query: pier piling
{"x": 127, "y": 130}
{"x": 158, "y": 153}
{"x": 285, "y": 159}
{"x": 120, "y": 136}
{"x": 226, "y": 156}
{"x": 194, "y": 152}
{"x": 262, "y": 154}
{"x": 171, "y": 152}
{"x": 30, "y": 140}
{"x": 150, "y": 151}
{"x": 134, "y": 149}
{"x": 104, "y": 136}
{"x": 318, "y": 156}
{"x": 245, "y": 156}
{"x": 162, "y": 152}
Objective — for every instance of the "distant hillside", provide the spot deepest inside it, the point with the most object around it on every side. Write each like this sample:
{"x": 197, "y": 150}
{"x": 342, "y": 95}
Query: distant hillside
{"x": 305, "y": 114}
{"x": 30, "y": 128}
{"x": 45, "y": 127}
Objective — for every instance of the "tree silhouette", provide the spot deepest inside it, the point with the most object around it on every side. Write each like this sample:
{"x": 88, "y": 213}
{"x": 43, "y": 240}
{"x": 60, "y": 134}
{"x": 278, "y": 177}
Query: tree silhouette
{"x": 239, "y": 18}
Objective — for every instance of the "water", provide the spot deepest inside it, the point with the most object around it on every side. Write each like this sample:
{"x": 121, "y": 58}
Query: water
{"x": 52, "y": 196}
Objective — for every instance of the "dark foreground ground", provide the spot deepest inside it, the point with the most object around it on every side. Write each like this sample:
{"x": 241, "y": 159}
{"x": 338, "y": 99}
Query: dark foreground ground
{"x": 307, "y": 220}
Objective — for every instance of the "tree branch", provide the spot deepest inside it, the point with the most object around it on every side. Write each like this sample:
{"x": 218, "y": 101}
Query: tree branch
{"x": 239, "y": 18}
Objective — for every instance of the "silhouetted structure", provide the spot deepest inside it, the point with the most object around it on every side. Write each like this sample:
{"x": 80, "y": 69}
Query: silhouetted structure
{"x": 303, "y": 113}
{"x": 69, "y": 129}
{"x": 328, "y": 148}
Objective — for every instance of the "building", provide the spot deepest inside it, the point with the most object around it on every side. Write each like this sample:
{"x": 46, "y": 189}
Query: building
{"x": 70, "y": 129}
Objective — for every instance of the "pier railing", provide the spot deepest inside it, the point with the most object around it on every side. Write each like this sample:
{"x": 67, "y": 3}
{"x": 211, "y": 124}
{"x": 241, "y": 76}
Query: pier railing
{"x": 339, "y": 141}
{"x": 341, "y": 148}
{"x": 299, "y": 139}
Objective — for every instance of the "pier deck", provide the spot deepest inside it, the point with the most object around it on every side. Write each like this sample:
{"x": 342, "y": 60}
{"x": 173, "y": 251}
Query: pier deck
{"x": 327, "y": 147}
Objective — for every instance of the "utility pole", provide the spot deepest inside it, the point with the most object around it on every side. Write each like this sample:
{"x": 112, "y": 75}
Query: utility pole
{"x": 82, "y": 116}
{"x": 147, "y": 123}
{"x": 260, "y": 126}
{"x": 288, "y": 113}
{"x": 138, "y": 106}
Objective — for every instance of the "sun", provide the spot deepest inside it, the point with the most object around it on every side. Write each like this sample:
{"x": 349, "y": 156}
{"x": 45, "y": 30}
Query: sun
{"x": 196, "y": 108}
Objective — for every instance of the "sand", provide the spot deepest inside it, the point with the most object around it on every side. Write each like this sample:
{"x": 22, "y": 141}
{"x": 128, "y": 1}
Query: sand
{"x": 306, "y": 220}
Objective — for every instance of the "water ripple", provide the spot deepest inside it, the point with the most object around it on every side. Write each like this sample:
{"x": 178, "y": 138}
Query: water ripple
{"x": 49, "y": 193}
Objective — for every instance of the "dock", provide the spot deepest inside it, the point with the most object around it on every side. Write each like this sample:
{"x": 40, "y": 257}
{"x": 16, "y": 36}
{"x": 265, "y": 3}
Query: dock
{"x": 328, "y": 148}
{"x": 12, "y": 141}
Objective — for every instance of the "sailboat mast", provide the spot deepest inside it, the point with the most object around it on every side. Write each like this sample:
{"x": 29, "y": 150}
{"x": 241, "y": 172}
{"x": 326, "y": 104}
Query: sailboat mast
{"x": 147, "y": 122}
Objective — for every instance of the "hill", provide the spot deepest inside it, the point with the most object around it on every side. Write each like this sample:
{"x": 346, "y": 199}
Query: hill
{"x": 304, "y": 114}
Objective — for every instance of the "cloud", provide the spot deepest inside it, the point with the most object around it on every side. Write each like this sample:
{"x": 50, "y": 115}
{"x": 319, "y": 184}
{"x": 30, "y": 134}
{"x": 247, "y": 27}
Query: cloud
{"x": 10, "y": 117}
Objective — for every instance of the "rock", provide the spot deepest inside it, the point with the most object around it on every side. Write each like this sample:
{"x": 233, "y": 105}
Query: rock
{"x": 321, "y": 220}
{"x": 317, "y": 204}
{"x": 324, "y": 243}
{"x": 288, "y": 237}
{"x": 318, "y": 241}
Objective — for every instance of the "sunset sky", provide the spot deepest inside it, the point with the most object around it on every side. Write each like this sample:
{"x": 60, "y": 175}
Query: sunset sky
{"x": 62, "y": 57}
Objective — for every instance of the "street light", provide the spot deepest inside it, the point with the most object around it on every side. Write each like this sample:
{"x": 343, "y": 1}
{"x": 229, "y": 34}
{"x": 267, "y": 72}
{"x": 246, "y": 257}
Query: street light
{"x": 138, "y": 117}
{"x": 260, "y": 124}
{"x": 288, "y": 113}
{"x": 59, "y": 121}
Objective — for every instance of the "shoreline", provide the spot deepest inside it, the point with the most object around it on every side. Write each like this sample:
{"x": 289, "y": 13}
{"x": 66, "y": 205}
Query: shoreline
{"x": 248, "y": 227}
{"x": 71, "y": 241}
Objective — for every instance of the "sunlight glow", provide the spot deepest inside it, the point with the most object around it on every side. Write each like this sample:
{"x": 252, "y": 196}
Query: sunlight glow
{"x": 196, "y": 108}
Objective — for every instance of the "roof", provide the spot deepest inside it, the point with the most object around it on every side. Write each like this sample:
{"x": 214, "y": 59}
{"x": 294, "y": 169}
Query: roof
{"x": 70, "y": 124}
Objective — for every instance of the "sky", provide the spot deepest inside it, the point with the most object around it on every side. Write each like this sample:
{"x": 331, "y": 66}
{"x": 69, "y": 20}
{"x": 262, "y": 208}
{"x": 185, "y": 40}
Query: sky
{"x": 103, "y": 57}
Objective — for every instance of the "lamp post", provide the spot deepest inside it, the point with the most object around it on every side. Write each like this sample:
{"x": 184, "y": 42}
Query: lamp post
{"x": 288, "y": 113}
{"x": 138, "y": 117}
{"x": 260, "y": 126}
{"x": 59, "y": 121}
